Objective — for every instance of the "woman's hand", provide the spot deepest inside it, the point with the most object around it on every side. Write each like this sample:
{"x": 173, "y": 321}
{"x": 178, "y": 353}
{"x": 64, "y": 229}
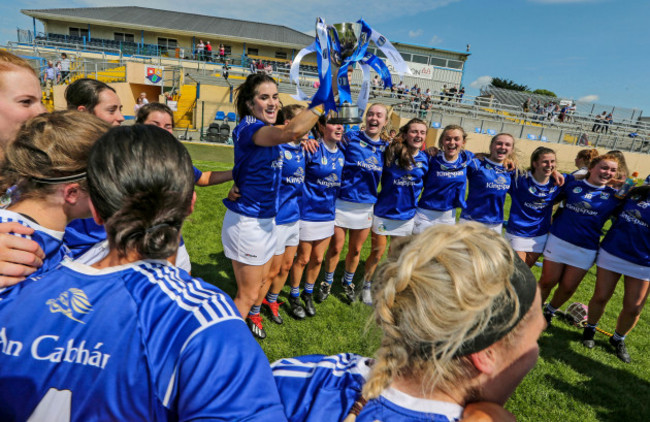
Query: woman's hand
{"x": 310, "y": 145}
{"x": 233, "y": 193}
{"x": 19, "y": 257}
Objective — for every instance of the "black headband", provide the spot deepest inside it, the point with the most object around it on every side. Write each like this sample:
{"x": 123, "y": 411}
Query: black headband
{"x": 58, "y": 180}
{"x": 525, "y": 287}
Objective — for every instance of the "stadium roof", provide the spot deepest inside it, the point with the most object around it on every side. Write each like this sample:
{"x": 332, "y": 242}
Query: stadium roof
{"x": 157, "y": 20}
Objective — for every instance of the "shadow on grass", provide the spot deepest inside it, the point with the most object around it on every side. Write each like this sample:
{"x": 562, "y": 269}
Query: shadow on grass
{"x": 217, "y": 272}
{"x": 610, "y": 386}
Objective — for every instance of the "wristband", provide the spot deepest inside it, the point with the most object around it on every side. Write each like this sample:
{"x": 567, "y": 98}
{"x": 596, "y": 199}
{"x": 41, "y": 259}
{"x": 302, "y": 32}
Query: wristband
{"x": 319, "y": 110}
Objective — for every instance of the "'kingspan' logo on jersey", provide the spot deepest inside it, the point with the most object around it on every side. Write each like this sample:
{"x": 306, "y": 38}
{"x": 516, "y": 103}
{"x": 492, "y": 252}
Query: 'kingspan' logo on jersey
{"x": 406, "y": 180}
{"x": 537, "y": 205}
{"x": 331, "y": 181}
{"x": 583, "y": 207}
{"x": 72, "y": 303}
{"x": 634, "y": 217}
{"x": 370, "y": 163}
{"x": 298, "y": 176}
{"x": 500, "y": 184}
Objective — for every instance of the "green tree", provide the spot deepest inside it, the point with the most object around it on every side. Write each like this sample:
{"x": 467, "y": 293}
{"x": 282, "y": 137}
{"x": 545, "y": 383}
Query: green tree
{"x": 508, "y": 84}
{"x": 544, "y": 92}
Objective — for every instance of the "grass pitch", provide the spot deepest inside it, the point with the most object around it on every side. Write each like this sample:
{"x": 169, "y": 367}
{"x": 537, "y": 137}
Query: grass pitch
{"x": 569, "y": 382}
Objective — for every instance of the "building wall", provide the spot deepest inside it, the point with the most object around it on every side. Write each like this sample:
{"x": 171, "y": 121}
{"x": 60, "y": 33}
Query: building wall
{"x": 150, "y": 37}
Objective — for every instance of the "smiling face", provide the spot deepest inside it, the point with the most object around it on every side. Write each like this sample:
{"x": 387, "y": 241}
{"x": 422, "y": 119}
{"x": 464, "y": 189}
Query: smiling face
{"x": 160, "y": 119}
{"x": 602, "y": 172}
{"x": 544, "y": 166}
{"x": 376, "y": 119}
{"x": 109, "y": 108}
{"x": 452, "y": 142}
{"x": 265, "y": 103}
{"x": 332, "y": 133}
{"x": 415, "y": 136}
{"x": 20, "y": 99}
{"x": 501, "y": 147}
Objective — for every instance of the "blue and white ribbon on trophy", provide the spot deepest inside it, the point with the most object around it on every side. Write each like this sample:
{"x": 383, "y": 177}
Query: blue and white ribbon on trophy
{"x": 324, "y": 95}
{"x": 322, "y": 45}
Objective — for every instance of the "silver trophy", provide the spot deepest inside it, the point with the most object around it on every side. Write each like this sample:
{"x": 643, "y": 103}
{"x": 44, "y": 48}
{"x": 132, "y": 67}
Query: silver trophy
{"x": 348, "y": 35}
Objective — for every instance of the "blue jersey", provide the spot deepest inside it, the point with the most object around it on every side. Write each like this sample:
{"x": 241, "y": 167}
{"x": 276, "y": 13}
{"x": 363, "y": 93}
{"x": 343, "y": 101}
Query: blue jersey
{"x": 324, "y": 388}
{"x": 364, "y": 161}
{"x": 586, "y": 209}
{"x": 293, "y": 177}
{"x": 647, "y": 180}
{"x": 488, "y": 184}
{"x": 531, "y": 206}
{"x": 257, "y": 173}
{"x": 142, "y": 341}
{"x": 197, "y": 174}
{"x": 50, "y": 241}
{"x": 445, "y": 183}
{"x": 322, "y": 183}
{"x": 629, "y": 236}
{"x": 81, "y": 234}
{"x": 400, "y": 189}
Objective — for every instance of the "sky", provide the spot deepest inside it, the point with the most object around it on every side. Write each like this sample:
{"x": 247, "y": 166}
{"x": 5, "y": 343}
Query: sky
{"x": 589, "y": 50}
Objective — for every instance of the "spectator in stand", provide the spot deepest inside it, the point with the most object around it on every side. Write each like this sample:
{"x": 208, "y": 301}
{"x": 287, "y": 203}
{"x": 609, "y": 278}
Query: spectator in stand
{"x": 443, "y": 93}
{"x": 452, "y": 93}
{"x": 200, "y": 50}
{"x": 140, "y": 101}
{"x": 222, "y": 52}
{"x": 607, "y": 122}
{"x": 65, "y": 67}
{"x": 461, "y": 93}
{"x": 598, "y": 122}
{"x": 400, "y": 89}
{"x": 252, "y": 66}
{"x": 50, "y": 77}
{"x": 225, "y": 71}
{"x": 208, "y": 51}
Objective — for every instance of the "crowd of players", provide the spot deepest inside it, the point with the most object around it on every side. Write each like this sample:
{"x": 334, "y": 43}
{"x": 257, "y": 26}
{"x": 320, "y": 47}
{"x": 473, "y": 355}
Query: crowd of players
{"x": 176, "y": 346}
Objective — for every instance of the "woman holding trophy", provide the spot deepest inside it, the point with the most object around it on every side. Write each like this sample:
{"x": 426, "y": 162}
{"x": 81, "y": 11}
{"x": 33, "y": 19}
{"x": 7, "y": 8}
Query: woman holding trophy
{"x": 248, "y": 232}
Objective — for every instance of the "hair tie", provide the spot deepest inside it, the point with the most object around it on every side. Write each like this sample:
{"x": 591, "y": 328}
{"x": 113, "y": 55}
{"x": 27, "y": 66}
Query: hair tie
{"x": 11, "y": 195}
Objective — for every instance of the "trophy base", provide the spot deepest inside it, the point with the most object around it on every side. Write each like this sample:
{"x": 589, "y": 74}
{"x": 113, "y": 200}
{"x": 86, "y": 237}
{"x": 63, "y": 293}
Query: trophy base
{"x": 348, "y": 114}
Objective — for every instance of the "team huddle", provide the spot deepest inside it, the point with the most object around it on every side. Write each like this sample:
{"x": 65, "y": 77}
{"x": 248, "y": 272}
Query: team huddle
{"x": 117, "y": 329}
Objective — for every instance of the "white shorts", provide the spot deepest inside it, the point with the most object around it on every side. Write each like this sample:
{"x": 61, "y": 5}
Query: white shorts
{"x": 316, "y": 230}
{"x": 351, "y": 215}
{"x": 426, "y": 218}
{"x": 527, "y": 244}
{"x": 287, "y": 236}
{"x": 496, "y": 227}
{"x": 183, "y": 259}
{"x": 557, "y": 250}
{"x": 618, "y": 265}
{"x": 387, "y": 227}
{"x": 248, "y": 240}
